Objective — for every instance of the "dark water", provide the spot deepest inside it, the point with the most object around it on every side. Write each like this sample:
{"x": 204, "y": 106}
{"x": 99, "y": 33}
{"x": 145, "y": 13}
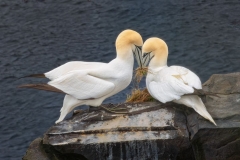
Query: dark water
{"x": 38, "y": 35}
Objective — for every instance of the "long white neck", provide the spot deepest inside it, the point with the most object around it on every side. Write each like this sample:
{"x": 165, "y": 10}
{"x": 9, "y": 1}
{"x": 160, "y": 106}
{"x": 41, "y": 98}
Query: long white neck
{"x": 125, "y": 54}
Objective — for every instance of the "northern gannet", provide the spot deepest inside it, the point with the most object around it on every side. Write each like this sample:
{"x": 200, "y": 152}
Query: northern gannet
{"x": 90, "y": 83}
{"x": 171, "y": 83}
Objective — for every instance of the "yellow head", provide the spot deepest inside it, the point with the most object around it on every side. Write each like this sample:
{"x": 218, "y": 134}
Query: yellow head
{"x": 156, "y": 50}
{"x": 128, "y": 40}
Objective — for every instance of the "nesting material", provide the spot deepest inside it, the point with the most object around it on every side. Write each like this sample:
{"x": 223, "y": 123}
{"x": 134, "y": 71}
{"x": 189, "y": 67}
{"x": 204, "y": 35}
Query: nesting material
{"x": 139, "y": 95}
{"x": 139, "y": 73}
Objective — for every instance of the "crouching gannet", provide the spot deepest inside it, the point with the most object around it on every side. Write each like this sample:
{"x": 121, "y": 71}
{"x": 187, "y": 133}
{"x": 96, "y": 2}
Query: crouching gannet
{"x": 90, "y": 83}
{"x": 171, "y": 83}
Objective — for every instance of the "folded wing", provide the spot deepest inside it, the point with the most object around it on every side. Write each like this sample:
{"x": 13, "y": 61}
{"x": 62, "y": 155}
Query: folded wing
{"x": 71, "y": 66}
{"x": 187, "y": 76}
{"x": 169, "y": 88}
{"x": 82, "y": 85}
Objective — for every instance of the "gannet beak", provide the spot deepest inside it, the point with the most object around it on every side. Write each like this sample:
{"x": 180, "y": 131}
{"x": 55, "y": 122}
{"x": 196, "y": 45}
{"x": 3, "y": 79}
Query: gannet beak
{"x": 144, "y": 55}
{"x": 138, "y": 55}
{"x": 146, "y": 58}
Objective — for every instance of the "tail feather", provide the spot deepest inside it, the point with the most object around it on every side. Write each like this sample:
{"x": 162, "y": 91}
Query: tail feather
{"x": 36, "y": 76}
{"x": 200, "y": 92}
{"x": 196, "y": 103}
{"x": 45, "y": 87}
{"x": 203, "y": 112}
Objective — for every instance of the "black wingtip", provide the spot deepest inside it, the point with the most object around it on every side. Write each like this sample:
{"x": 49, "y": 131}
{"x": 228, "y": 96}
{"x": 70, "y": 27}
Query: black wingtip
{"x": 45, "y": 87}
{"x": 201, "y": 92}
{"x": 35, "y": 76}
{"x": 22, "y": 86}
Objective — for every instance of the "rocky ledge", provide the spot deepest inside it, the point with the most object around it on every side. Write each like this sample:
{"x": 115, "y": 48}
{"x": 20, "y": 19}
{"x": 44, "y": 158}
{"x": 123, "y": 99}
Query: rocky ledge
{"x": 150, "y": 130}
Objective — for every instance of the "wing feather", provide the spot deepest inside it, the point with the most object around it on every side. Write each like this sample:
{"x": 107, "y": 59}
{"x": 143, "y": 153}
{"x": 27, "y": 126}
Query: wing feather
{"x": 188, "y": 77}
{"x": 71, "y": 66}
{"x": 169, "y": 88}
{"x": 81, "y": 85}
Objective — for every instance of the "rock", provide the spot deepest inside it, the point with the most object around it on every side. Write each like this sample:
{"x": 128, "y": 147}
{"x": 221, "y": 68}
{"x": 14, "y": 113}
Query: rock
{"x": 36, "y": 151}
{"x": 151, "y": 130}
{"x": 223, "y": 141}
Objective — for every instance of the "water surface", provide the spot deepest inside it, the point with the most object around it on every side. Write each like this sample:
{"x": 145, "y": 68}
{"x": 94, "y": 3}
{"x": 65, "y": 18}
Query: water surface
{"x": 38, "y": 35}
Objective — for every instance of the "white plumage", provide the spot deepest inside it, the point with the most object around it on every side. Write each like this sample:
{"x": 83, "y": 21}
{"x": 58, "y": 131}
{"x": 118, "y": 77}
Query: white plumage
{"x": 70, "y": 66}
{"x": 90, "y": 83}
{"x": 93, "y": 86}
{"x": 171, "y": 83}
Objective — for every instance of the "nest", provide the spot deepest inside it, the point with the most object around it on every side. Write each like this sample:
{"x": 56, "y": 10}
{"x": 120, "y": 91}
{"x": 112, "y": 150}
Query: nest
{"x": 139, "y": 95}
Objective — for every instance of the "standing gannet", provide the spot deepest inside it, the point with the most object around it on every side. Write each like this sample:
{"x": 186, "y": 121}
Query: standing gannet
{"x": 171, "y": 83}
{"x": 90, "y": 83}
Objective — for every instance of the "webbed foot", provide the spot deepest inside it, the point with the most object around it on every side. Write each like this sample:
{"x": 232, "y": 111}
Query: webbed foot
{"x": 114, "y": 109}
